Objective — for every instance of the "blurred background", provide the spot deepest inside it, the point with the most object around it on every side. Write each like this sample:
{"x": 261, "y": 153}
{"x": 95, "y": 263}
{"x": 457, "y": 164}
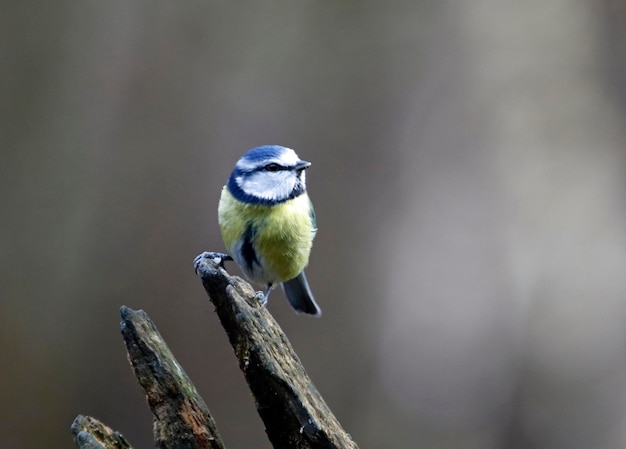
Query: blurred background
{"x": 469, "y": 176}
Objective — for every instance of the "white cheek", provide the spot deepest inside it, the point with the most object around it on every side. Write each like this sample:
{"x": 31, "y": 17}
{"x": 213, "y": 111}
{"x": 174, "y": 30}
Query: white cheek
{"x": 271, "y": 186}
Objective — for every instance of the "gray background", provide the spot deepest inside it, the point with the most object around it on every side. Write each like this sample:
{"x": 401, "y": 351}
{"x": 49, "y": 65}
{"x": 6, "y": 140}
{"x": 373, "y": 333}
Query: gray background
{"x": 468, "y": 174}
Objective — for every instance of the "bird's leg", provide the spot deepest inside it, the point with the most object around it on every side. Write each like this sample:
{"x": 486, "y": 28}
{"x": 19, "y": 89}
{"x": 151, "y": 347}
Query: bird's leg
{"x": 266, "y": 295}
{"x": 219, "y": 258}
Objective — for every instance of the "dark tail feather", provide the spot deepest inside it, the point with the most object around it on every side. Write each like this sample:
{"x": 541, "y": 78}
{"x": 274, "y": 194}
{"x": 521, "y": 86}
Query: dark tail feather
{"x": 300, "y": 297}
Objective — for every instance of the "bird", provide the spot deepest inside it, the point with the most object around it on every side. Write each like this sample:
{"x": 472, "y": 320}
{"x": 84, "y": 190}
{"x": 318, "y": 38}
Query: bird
{"x": 268, "y": 223}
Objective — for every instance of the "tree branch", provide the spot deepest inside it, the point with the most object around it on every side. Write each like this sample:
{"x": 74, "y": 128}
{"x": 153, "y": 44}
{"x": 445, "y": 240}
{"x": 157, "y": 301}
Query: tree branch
{"x": 89, "y": 433}
{"x": 294, "y": 413}
{"x": 181, "y": 418}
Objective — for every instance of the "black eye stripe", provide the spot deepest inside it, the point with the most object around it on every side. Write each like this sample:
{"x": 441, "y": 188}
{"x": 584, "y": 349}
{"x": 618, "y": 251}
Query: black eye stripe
{"x": 274, "y": 167}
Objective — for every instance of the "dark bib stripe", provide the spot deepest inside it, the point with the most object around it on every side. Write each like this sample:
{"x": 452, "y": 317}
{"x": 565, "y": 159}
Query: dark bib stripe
{"x": 247, "y": 249}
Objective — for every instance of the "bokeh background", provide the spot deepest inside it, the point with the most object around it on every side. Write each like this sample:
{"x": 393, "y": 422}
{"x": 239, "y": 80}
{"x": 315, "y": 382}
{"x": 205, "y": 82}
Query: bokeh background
{"x": 469, "y": 176}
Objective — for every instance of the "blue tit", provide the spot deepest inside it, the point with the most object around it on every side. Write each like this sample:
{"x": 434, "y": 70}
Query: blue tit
{"x": 268, "y": 223}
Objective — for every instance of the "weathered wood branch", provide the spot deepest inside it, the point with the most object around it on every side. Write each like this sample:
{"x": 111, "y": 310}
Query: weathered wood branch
{"x": 294, "y": 413}
{"x": 89, "y": 433}
{"x": 181, "y": 418}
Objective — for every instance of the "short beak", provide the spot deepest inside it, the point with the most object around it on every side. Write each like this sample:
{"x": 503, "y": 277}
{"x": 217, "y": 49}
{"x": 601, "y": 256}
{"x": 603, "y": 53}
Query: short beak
{"x": 301, "y": 165}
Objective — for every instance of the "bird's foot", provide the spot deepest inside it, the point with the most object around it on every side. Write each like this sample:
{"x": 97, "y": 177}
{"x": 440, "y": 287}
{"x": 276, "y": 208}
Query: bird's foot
{"x": 218, "y": 258}
{"x": 262, "y": 297}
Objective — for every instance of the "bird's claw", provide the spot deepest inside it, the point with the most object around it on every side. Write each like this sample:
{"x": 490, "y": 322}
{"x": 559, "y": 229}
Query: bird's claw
{"x": 218, "y": 258}
{"x": 262, "y": 297}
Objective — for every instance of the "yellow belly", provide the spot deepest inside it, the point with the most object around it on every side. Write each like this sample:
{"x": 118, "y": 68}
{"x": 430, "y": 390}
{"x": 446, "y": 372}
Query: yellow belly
{"x": 283, "y": 236}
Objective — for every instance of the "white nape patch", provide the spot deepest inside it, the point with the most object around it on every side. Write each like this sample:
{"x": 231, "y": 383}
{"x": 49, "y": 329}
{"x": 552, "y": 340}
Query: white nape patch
{"x": 246, "y": 165}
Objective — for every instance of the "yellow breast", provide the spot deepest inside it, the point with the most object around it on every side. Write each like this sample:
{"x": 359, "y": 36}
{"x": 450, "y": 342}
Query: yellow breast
{"x": 282, "y": 235}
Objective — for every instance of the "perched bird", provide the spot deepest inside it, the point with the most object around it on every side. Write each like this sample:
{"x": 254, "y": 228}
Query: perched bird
{"x": 268, "y": 223}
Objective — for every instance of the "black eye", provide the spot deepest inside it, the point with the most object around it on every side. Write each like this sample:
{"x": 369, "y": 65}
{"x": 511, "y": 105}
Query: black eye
{"x": 273, "y": 167}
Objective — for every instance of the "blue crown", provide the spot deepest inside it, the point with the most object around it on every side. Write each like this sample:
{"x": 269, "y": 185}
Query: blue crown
{"x": 264, "y": 152}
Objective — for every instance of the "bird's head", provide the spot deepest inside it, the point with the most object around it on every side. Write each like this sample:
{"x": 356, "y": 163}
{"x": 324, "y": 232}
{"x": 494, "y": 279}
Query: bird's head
{"x": 268, "y": 174}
